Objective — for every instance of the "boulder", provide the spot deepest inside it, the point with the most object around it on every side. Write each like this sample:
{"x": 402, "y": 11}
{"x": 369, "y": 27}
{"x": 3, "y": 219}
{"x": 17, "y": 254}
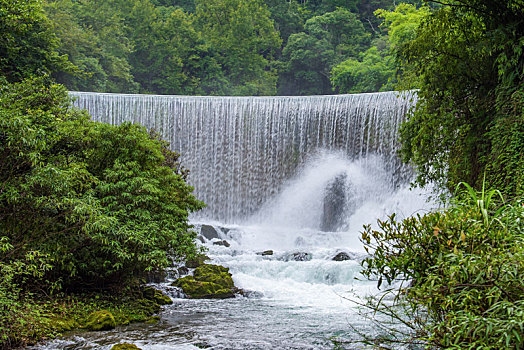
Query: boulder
{"x": 62, "y": 325}
{"x": 223, "y": 243}
{"x": 125, "y": 346}
{"x": 342, "y": 256}
{"x": 156, "y": 296}
{"x": 102, "y": 320}
{"x": 209, "y": 232}
{"x": 334, "y": 207}
{"x": 265, "y": 253}
{"x": 182, "y": 271}
{"x": 208, "y": 282}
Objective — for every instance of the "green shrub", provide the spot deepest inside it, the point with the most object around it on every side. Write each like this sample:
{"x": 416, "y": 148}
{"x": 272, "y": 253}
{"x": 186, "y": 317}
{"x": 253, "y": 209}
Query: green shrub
{"x": 457, "y": 274}
{"x": 101, "y": 203}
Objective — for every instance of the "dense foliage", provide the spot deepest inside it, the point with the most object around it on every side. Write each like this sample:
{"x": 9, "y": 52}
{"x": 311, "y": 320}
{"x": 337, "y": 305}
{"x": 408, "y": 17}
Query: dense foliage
{"x": 458, "y": 274}
{"x": 467, "y": 61}
{"x": 220, "y": 47}
{"x": 83, "y": 205}
{"x": 27, "y": 44}
{"x": 99, "y": 201}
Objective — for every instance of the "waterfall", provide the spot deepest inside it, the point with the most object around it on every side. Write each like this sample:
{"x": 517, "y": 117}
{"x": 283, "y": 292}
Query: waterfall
{"x": 241, "y": 150}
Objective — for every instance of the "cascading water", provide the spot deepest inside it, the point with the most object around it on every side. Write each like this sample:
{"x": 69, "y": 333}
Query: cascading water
{"x": 240, "y": 150}
{"x": 295, "y": 175}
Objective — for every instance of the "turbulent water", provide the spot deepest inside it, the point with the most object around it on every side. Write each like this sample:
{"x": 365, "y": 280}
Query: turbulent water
{"x": 296, "y": 175}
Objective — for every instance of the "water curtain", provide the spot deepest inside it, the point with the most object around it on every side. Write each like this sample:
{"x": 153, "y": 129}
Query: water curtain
{"x": 241, "y": 150}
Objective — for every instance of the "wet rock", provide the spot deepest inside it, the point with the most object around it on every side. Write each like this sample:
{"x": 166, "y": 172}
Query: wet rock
{"x": 208, "y": 282}
{"x": 196, "y": 262}
{"x": 200, "y": 238}
{"x": 296, "y": 256}
{"x": 265, "y": 253}
{"x": 156, "y": 277}
{"x": 152, "y": 320}
{"x": 225, "y": 230}
{"x": 223, "y": 243}
{"x": 182, "y": 271}
{"x": 301, "y": 256}
{"x": 125, "y": 346}
{"x": 342, "y": 256}
{"x": 334, "y": 204}
{"x": 209, "y": 232}
{"x": 102, "y": 320}
{"x": 156, "y": 296}
{"x": 252, "y": 294}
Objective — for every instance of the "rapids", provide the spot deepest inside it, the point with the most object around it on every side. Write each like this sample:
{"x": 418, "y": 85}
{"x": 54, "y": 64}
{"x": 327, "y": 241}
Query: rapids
{"x": 272, "y": 170}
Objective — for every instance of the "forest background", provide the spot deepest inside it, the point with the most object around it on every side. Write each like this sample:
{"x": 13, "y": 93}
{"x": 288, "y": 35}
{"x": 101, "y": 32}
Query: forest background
{"x": 217, "y": 47}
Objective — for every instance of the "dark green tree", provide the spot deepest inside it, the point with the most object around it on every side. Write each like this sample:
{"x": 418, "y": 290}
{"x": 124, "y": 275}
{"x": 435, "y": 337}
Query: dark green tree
{"x": 467, "y": 61}
{"x": 245, "y": 41}
{"x": 27, "y": 44}
{"x": 169, "y": 55}
{"x": 308, "y": 57}
{"x": 374, "y": 70}
{"x": 289, "y": 16}
{"x": 102, "y": 204}
{"x": 92, "y": 34}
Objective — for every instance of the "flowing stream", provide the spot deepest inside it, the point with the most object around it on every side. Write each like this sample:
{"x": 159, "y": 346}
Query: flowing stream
{"x": 299, "y": 176}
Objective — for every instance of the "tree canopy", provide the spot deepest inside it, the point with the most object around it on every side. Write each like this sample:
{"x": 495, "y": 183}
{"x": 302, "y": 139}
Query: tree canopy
{"x": 466, "y": 59}
{"x": 217, "y": 47}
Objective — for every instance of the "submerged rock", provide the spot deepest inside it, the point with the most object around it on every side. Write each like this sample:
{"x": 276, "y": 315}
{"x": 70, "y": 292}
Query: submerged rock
{"x": 301, "y": 256}
{"x": 209, "y": 232}
{"x": 208, "y": 282}
{"x": 342, "y": 256}
{"x": 125, "y": 346}
{"x": 296, "y": 256}
{"x": 153, "y": 320}
{"x": 223, "y": 243}
{"x": 156, "y": 296}
{"x": 102, "y": 320}
{"x": 225, "y": 230}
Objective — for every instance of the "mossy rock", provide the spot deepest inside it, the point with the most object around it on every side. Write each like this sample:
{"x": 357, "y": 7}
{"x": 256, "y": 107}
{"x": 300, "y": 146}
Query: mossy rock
{"x": 144, "y": 307}
{"x": 156, "y": 296}
{"x": 100, "y": 321}
{"x": 62, "y": 325}
{"x": 209, "y": 281}
{"x": 203, "y": 290}
{"x": 125, "y": 346}
{"x": 215, "y": 274}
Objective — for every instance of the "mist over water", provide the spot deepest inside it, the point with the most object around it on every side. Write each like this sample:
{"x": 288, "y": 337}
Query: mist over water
{"x": 299, "y": 176}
